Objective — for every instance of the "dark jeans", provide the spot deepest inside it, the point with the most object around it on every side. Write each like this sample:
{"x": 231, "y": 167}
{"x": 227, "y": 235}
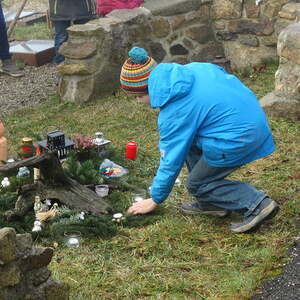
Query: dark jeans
{"x": 61, "y": 36}
{"x": 4, "y": 45}
{"x": 208, "y": 185}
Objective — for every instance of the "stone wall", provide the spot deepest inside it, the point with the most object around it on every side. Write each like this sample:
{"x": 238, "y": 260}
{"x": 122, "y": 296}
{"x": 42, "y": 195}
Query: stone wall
{"x": 178, "y": 31}
{"x": 23, "y": 270}
{"x": 284, "y": 101}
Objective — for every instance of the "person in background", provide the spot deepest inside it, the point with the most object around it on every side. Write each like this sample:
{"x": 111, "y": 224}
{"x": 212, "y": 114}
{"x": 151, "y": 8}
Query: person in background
{"x": 106, "y": 6}
{"x": 65, "y": 12}
{"x": 8, "y": 66}
{"x": 213, "y": 122}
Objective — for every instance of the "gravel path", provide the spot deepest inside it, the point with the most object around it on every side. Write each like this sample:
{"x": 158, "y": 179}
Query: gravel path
{"x": 31, "y": 89}
{"x": 37, "y": 84}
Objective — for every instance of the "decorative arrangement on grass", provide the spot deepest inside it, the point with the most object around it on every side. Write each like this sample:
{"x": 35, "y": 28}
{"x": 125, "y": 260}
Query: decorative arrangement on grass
{"x": 51, "y": 219}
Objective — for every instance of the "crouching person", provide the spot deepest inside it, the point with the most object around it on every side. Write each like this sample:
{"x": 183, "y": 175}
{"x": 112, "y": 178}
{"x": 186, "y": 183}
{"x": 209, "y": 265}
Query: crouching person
{"x": 213, "y": 122}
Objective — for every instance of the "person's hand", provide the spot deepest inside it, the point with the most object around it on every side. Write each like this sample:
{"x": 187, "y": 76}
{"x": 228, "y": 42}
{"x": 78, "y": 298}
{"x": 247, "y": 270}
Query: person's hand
{"x": 142, "y": 207}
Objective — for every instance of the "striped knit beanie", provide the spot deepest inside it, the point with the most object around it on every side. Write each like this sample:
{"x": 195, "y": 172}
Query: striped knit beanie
{"x": 135, "y": 71}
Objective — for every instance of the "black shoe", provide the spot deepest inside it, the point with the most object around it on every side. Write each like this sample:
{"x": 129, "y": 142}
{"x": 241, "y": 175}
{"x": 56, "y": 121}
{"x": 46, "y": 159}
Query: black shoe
{"x": 267, "y": 209}
{"x": 195, "y": 208}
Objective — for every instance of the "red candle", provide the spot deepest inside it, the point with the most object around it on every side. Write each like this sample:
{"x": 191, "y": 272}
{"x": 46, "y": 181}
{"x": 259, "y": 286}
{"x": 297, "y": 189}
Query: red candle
{"x": 131, "y": 150}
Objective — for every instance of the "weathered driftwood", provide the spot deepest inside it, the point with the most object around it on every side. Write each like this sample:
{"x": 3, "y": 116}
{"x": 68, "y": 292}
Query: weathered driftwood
{"x": 54, "y": 184}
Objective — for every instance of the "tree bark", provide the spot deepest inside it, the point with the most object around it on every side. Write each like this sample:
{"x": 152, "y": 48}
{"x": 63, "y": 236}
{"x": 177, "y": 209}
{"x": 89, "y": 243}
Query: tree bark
{"x": 53, "y": 183}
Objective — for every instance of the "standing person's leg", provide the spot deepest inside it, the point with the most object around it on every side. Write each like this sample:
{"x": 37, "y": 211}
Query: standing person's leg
{"x": 8, "y": 66}
{"x": 208, "y": 185}
{"x": 60, "y": 36}
{"x": 4, "y": 45}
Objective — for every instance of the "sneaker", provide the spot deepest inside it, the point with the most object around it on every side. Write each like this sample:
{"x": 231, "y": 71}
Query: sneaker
{"x": 10, "y": 68}
{"x": 197, "y": 208}
{"x": 267, "y": 209}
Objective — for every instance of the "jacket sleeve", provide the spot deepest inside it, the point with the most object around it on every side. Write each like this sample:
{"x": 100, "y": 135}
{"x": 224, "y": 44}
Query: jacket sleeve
{"x": 176, "y": 137}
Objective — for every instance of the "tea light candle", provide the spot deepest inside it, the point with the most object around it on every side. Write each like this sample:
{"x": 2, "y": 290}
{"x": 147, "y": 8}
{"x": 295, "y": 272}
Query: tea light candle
{"x": 73, "y": 242}
{"x": 137, "y": 198}
{"x": 138, "y": 195}
{"x": 102, "y": 190}
{"x": 72, "y": 239}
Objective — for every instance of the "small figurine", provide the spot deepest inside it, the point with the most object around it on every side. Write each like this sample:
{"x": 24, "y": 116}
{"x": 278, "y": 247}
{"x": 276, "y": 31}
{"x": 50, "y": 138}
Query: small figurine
{"x": 48, "y": 215}
{"x": 37, "y": 226}
{"x": 23, "y": 171}
{"x": 5, "y": 182}
{"x": 48, "y": 202}
{"x": 39, "y": 206}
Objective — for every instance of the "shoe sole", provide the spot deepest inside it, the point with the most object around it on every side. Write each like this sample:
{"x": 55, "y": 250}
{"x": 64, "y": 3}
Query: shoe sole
{"x": 266, "y": 214}
{"x": 11, "y": 74}
{"x": 207, "y": 213}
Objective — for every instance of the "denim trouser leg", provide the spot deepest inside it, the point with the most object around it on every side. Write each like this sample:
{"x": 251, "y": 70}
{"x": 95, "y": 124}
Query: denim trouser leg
{"x": 207, "y": 184}
{"x": 4, "y": 45}
{"x": 61, "y": 36}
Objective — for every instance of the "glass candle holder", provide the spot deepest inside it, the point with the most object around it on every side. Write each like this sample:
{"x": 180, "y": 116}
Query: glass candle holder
{"x": 102, "y": 190}
{"x": 72, "y": 239}
{"x": 138, "y": 195}
{"x": 98, "y": 138}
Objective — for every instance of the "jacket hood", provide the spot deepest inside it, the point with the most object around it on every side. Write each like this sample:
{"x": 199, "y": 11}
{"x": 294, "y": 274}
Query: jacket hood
{"x": 169, "y": 82}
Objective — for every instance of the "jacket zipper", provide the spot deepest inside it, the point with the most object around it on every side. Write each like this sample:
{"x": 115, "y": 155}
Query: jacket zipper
{"x": 93, "y": 7}
{"x": 87, "y": 4}
{"x": 55, "y": 7}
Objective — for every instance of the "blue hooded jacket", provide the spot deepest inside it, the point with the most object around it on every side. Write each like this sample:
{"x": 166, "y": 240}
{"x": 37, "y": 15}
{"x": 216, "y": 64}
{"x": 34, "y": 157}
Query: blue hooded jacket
{"x": 202, "y": 105}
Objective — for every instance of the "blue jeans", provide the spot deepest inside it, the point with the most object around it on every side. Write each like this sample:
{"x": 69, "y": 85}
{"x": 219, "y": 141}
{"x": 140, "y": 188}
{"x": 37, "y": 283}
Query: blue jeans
{"x": 61, "y": 36}
{"x": 208, "y": 185}
{"x": 4, "y": 45}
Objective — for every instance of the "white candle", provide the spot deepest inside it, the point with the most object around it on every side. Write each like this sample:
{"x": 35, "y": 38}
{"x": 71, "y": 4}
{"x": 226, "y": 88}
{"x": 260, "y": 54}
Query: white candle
{"x": 73, "y": 242}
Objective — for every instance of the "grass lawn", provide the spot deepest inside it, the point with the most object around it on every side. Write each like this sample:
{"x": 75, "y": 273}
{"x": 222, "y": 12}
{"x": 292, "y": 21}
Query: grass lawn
{"x": 173, "y": 256}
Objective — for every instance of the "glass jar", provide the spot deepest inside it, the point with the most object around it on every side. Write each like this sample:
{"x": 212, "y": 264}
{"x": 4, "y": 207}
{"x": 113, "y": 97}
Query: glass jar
{"x": 102, "y": 190}
{"x": 138, "y": 195}
{"x": 72, "y": 239}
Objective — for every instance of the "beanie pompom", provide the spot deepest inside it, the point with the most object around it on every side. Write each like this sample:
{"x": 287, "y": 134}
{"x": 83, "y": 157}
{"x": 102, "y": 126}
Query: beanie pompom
{"x": 138, "y": 55}
{"x": 136, "y": 70}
